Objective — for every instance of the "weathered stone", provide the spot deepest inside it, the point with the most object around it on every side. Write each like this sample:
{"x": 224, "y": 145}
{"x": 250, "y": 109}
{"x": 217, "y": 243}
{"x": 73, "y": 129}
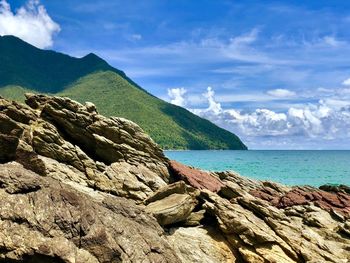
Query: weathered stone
{"x": 197, "y": 244}
{"x": 196, "y": 178}
{"x": 335, "y": 188}
{"x": 176, "y": 188}
{"x": 79, "y": 187}
{"x": 42, "y": 218}
{"x": 338, "y": 202}
{"x": 234, "y": 219}
{"x": 195, "y": 218}
{"x": 172, "y": 209}
{"x": 90, "y": 107}
{"x": 112, "y": 155}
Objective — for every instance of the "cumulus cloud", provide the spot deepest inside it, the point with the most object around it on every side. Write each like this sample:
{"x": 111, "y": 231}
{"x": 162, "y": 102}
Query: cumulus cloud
{"x": 177, "y": 96}
{"x": 346, "y": 82}
{"x": 30, "y": 22}
{"x": 214, "y": 107}
{"x": 327, "y": 119}
{"x": 281, "y": 93}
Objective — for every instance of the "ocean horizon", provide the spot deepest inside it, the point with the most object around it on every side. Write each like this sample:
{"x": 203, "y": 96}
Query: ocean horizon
{"x": 290, "y": 167}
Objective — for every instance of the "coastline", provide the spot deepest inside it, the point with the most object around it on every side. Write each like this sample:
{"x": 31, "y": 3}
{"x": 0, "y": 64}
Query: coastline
{"x": 75, "y": 185}
{"x": 290, "y": 167}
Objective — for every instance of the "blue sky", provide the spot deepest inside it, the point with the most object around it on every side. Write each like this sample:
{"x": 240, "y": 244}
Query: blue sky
{"x": 277, "y": 70}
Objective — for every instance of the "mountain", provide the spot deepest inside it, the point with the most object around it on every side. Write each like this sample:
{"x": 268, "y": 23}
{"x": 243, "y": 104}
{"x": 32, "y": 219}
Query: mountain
{"x": 25, "y": 68}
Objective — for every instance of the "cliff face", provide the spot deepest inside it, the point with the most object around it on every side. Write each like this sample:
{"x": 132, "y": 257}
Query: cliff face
{"x": 79, "y": 187}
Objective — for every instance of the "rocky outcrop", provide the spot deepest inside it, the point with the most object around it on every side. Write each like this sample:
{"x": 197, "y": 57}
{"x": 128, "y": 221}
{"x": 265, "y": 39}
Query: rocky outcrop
{"x": 45, "y": 220}
{"x": 110, "y": 154}
{"x": 336, "y": 202}
{"x": 196, "y": 178}
{"x": 79, "y": 187}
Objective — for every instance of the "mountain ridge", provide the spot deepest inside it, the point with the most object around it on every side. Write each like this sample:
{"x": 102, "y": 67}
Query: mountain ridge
{"x": 25, "y": 68}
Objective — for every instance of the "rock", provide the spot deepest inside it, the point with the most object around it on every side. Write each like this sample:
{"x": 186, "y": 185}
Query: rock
{"x": 172, "y": 209}
{"x": 90, "y": 107}
{"x": 264, "y": 233}
{"x": 8, "y": 147}
{"x": 44, "y": 220}
{"x": 239, "y": 181}
{"x": 335, "y": 202}
{"x": 174, "y": 203}
{"x": 195, "y": 218}
{"x": 251, "y": 230}
{"x": 79, "y": 187}
{"x": 345, "y": 228}
{"x": 197, "y": 244}
{"x": 111, "y": 154}
{"x": 196, "y": 178}
{"x": 175, "y": 188}
{"x": 336, "y": 188}
{"x": 267, "y": 194}
{"x": 108, "y": 140}
{"x": 132, "y": 181}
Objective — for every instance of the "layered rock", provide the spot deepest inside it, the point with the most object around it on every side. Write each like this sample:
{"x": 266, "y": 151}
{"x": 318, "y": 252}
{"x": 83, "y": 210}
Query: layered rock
{"x": 79, "y": 187}
{"x": 172, "y": 204}
{"x": 45, "y": 220}
{"x": 196, "y": 178}
{"x": 110, "y": 154}
{"x": 335, "y": 202}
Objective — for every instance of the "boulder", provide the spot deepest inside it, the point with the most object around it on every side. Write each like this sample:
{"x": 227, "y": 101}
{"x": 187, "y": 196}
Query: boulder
{"x": 172, "y": 209}
{"x": 194, "y": 177}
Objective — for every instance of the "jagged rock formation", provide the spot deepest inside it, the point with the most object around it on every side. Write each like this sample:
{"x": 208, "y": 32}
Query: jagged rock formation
{"x": 79, "y": 187}
{"x": 67, "y": 140}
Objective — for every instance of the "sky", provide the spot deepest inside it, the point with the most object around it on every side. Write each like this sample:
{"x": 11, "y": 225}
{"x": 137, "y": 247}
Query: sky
{"x": 276, "y": 73}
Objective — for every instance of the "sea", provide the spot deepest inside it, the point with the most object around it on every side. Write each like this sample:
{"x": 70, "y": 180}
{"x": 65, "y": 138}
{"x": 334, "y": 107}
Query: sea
{"x": 313, "y": 168}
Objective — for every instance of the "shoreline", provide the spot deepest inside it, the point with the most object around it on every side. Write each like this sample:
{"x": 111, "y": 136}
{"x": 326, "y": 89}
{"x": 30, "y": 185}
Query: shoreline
{"x": 75, "y": 185}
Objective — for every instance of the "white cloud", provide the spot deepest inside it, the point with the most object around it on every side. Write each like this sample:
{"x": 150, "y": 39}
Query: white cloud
{"x": 177, "y": 96}
{"x": 214, "y": 106}
{"x": 245, "y": 39}
{"x": 346, "y": 82}
{"x": 281, "y": 93}
{"x": 30, "y": 23}
{"x": 329, "y": 119}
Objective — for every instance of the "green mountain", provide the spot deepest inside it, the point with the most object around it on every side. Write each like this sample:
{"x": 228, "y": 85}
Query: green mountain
{"x": 25, "y": 68}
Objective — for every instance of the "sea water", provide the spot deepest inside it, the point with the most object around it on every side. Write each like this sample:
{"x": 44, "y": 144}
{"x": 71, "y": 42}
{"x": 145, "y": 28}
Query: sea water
{"x": 288, "y": 167}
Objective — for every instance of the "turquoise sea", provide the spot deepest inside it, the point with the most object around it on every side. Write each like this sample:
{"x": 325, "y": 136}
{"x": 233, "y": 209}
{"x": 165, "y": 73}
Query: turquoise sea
{"x": 288, "y": 167}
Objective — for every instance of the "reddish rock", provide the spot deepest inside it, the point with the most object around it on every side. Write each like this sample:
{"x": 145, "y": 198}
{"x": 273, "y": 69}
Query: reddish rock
{"x": 196, "y": 178}
{"x": 292, "y": 198}
{"x": 267, "y": 194}
{"x": 337, "y": 201}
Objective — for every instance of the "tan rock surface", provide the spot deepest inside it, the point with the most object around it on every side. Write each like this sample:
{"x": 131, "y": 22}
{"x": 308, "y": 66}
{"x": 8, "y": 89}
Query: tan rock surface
{"x": 79, "y": 187}
{"x": 111, "y": 154}
{"x": 45, "y": 220}
{"x": 198, "y": 244}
